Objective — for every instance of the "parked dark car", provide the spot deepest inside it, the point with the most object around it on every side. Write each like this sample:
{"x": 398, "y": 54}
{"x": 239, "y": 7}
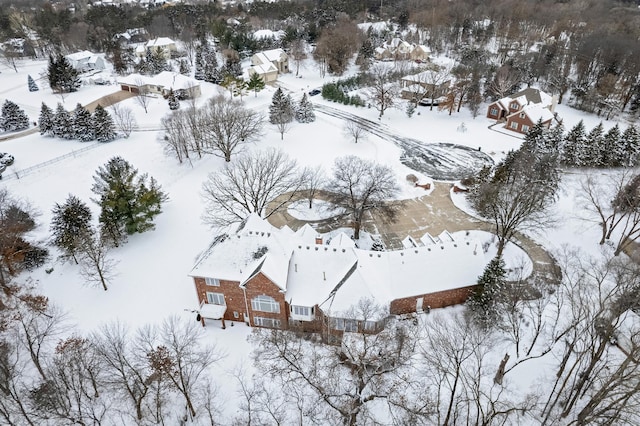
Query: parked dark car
{"x": 315, "y": 92}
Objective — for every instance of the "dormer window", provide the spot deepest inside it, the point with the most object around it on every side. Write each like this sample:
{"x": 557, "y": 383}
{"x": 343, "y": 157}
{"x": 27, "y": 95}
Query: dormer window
{"x": 522, "y": 115}
{"x": 514, "y": 105}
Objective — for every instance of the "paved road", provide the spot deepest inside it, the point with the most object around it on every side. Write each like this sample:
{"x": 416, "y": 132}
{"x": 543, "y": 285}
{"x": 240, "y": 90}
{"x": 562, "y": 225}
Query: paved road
{"x": 440, "y": 161}
{"x": 433, "y": 213}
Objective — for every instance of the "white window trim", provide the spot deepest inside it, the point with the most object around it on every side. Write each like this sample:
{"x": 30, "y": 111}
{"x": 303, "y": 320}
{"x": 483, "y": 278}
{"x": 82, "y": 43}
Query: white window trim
{"x": 213, "y": 282}
{"x": 493, "y": 111}
{"x": 267, "y": 322}
{"x": 525, "y": 128}
{"x": 259, "y": 303}
{"x": 369, "y": 326}
{"x": 514, "y": 105}
{"x": 216, "y": 297}
{"x": 514, "y": 125}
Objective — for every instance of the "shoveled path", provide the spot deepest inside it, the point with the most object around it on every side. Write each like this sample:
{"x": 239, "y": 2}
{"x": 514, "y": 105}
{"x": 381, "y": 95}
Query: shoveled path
{"x": 433, "y": 213}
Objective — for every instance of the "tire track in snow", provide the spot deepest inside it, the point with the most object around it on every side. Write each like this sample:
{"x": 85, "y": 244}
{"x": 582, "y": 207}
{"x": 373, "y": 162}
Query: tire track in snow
{"x": 440, "y": 161}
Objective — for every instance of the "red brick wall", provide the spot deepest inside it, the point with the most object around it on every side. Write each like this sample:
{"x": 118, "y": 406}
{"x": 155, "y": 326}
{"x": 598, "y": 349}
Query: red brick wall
{"x": 261, "y": 285}
{"x": 526, "y": 121}
{"x": 233, "y": 296}
{"x": 497, "y": 107}
{"x": 439, "y": 299}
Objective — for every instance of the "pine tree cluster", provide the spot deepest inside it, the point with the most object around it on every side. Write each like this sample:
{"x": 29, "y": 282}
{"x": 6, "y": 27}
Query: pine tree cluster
{"x": 63, "y": 78}
{"x": 79, "y": 124}
{"x": 154, "y": 62}
{"x": 599, "y": 148}
{"x": 13, "y": 118}
{"x": 71, "y": 223}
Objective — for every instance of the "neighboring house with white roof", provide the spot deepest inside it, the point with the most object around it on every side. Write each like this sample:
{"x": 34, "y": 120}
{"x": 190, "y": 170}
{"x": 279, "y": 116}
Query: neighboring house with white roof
{"x": 268, "y": 62}
{"x": 183, "y": 87}
{"x": 84, "y": 61}
{"x": 522, "y": 110}
{"x": 269, "y": 277}
{"x": 164, "y": 44}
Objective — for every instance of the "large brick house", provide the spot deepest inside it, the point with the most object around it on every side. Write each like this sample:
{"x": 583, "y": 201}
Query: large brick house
{"x": 269, "y": 277}
{"x": 522, "y": 110}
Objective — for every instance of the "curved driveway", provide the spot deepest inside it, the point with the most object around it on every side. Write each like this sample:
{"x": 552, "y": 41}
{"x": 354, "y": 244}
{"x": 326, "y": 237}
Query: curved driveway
{"x": 433, "y": 213}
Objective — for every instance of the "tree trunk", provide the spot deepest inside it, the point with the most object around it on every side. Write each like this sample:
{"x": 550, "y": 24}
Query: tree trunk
{"x": 356, "y": 229}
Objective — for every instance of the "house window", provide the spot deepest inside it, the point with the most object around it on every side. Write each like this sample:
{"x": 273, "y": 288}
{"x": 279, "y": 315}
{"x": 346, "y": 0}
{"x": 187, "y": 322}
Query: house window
{"x": 215, "y": 298}
{"x": 266, "y": 322}
{"x": 515, "y": 106}
{"x": 369, "y": 326}
{"x": 265, "y": 304}
{"x": 493, "y": 111}
{"x": 522, "y": 115}
{"x": 301, "y": 310}
{"x": 525, "y": 128}
{"x": 514, "y": 125}
{"x": 214, "y": 282}
{"x": 349, "y": 325}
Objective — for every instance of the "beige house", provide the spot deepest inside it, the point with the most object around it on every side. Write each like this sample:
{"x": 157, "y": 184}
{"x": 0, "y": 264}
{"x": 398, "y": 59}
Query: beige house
{"x": 164, "y": 44}
{"x": 420, "y": 53}
{"x": 277, "y": 57}
{"x": 161, "y": 84}
{"x": 268, "y": 72}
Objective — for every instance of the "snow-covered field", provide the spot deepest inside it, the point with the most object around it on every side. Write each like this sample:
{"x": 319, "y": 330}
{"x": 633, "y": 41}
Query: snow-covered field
{"x": 152, "y": 282}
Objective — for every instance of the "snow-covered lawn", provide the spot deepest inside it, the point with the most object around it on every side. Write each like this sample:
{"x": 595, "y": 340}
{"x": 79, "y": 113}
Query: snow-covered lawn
{"x": 151, "y": 281}
{"x": 319, "y": 210}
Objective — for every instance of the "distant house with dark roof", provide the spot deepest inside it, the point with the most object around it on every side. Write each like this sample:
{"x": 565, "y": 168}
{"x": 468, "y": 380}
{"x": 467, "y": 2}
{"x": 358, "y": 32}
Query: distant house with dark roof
{"x": 277, "y": 278}
{"x": 522, "y": 110}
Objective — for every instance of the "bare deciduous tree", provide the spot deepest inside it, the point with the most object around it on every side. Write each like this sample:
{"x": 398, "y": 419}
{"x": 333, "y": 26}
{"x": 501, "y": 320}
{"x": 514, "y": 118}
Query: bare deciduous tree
{"x": 123, "y": 118}
{"x": 298, "y": 52}
{"x": 227, "y": 125}
{"x": 354, "y": 130}
{"x": 620, "y": 213}
{"x": 346, "y": 379}
{"x": 249, "y": 184}
{"x": 314, "y": 179}
{"x": 518, "y": 194}
{"x": 503, "y": 81}
{"x": 360, "y": 186}
{"x": 96, "y": 266}
{"x": 142, "y": 96}
{"x": 383, "y": 91}
{"x": 180, "y": 356}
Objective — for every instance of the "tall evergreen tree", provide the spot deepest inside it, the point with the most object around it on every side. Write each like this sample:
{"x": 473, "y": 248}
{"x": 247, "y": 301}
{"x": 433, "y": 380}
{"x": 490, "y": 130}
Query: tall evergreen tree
{"x": 128, "y": 201}
{"x": 595, "y": 143}
{"x": 199, "y": 64}
{"x": 612, "y": 154}
{"x": 45, "y": 121}
{"x": 71, "y": 221}
{"x": 255, "y": 83}
{"x": 156, "y": 61}
{"x": 210, "y": 70}
{"x": 574, "y": 146}
{"x": 103, "y": 127}
{"x": 83, "y": 128}
{"x": 631, "y": 141}
{"x": 33, "y": 87}
{"x": 173, "y": 102}
{"x": 62, "y": 123}
{"x": 483, "y": 304}
{"x": 304, "y": 111}
{"x": 63, "y": 78}
{"x": 184, "y": 67}
{"x": 281, "y": 111}
{"x": 13, "y": 117}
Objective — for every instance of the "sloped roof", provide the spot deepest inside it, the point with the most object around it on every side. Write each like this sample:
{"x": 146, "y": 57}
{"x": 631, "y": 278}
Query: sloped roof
{"x": 83, "y": 54}
{"x": 264, "y": 68}
{"x": 535, "y": 113}
{"x": 165, "y": 79}
{"x": 160, "y": 42}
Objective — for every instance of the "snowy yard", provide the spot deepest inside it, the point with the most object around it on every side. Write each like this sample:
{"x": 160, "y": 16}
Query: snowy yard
{"x": 151, "y": 282}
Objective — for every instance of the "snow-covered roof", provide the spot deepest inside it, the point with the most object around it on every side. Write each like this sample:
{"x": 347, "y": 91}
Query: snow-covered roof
{"x": 160, "y": 42}
{"x": 528, "y": 96}
{"x": 270, "y": 55}
{"x": 260, "y": 34}
{"x": 78, "y": 56}
{"x": 265, "y": 68}
{"x": 165, "y": 79}
{"x": 208, "y": 310}
{"x": 536, "y": 113}
{"x": 386, "y": 276}
{"x": 335, "y": 276}
{"x": 236, "y": 256}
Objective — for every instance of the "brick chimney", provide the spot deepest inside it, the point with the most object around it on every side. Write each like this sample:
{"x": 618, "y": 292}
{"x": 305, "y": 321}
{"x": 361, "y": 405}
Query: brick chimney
{"x": 319, "y": 239}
